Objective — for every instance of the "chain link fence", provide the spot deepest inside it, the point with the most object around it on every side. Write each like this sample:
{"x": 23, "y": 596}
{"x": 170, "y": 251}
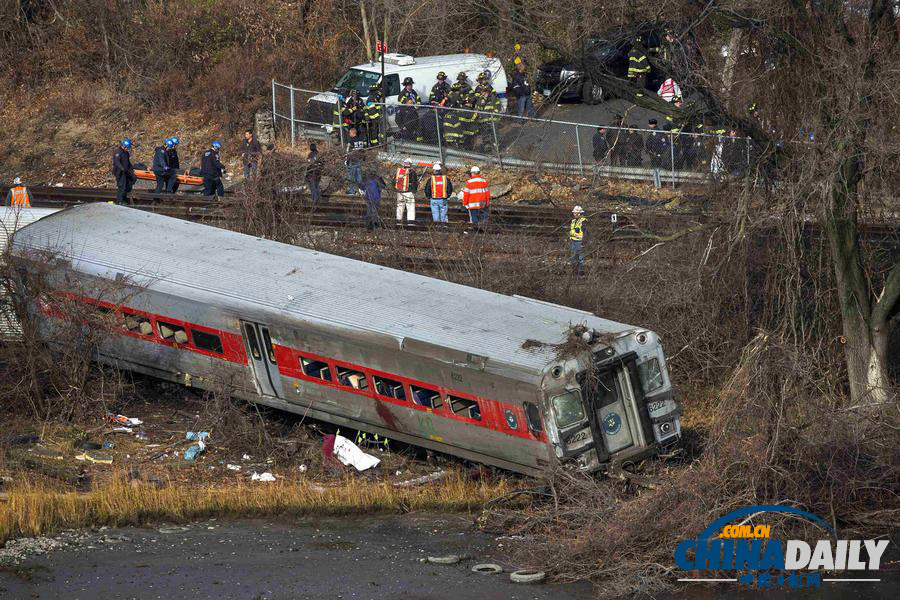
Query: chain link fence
{"x": 462, "y": 136}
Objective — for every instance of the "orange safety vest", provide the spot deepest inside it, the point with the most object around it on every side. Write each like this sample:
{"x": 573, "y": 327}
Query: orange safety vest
{"x": 20, "y": 196}
{"x": 402, "y": 180}
{"x": 476, "y": 194}
{"x": 439, "y": 187}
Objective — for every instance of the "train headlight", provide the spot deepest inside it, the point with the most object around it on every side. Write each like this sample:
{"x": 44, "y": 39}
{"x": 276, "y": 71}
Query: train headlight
{"x": 665, "y": 427}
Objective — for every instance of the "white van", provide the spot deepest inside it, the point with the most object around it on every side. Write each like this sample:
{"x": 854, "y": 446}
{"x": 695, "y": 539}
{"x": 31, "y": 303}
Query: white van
{"x": 398, "y": 67}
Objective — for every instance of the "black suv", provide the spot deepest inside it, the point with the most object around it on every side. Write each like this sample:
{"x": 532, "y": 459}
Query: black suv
{"x": 607, "y": 53}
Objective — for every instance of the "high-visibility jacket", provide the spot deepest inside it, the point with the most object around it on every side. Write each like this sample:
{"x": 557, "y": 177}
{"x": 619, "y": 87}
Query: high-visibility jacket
{"x": 406, "y": 181}
{"x": 452, "y": 127}
{"x": 476, "y": 194}
{"x": 637, "y": 61}
{"x": 669, "y": 90}
{"x": 576, "y": 229}
{"x": 440, "y": 188}
{"x": 489, "y": 104}
{"x": 19, "y": 196}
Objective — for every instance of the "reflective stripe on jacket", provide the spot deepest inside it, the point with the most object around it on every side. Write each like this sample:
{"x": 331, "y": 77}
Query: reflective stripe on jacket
{"x": 576, "y": 229}
{"x": 637, "y": 62}
{"x": 402, "y": 184}
{"x": 19, "y": 196}
{"x": 439, "y": 187}
{"x": 476, "y": 194}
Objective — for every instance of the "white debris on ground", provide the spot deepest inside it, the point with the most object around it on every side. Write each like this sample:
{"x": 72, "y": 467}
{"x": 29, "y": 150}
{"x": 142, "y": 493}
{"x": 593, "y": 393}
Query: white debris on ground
{"x": 17, "y": 550}
{"x": 349, "y": 454}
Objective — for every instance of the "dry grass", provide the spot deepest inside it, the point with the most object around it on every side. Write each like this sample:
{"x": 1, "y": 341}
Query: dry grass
{"x": 33, "y": 509}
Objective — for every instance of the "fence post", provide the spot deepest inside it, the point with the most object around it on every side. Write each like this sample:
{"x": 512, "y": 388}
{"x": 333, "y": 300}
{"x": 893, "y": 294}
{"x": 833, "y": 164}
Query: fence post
{"x": 340, "y": 124}
{"x": 437, "y": 128}
{"x": 274, "y": 111}
{"x": 748, "y": 156}
{"x": 496, "y": 142}
{"x": 578, "y": 143}
{"x": 672, "y": 156}
{"x": 293, "y": 128}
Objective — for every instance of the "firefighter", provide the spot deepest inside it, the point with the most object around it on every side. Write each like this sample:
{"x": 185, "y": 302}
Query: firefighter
{"x": 408, "y": 92}
{"x": 161, "y": 169}
{"x": 440, "y": 91}
{"x": 437, "y": 189}
{"x": 638, "y": 65}
{"x": 488, "y": 107}
{"x": 211, "y": 169}
{"x": 450, "y": 122}
{"x": 373, "y": 114}
{"x": 576, "y": 239}
{"x": 123, "y": 171}
{"x": 476, "y": 197}
{"x": 462, "y": 86}
{"x": 18, "y": 194}
{"x": 406, "y": 183}
{"x": 468, "y": 122}
{"x": 350, "y": 114}
{"x": 174, "y": 164}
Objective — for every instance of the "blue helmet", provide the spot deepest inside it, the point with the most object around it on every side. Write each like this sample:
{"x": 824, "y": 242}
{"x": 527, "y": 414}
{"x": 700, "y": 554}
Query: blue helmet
{"x": 126, "y": 143}
{"x": 169, "y": 143}
{"x": 216, "y": 145}
{"x": 175, "y": 141}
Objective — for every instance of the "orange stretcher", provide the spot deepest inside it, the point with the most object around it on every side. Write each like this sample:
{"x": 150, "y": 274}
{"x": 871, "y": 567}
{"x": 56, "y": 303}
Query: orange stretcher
{"x": 184, "y": 179}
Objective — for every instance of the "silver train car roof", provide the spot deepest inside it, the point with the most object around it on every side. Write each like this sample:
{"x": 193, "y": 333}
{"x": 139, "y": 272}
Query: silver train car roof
{"x": 420, "y": 314}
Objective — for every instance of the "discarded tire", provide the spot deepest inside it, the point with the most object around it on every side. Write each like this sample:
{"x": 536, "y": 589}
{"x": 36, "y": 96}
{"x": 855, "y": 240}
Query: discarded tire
{"x": 450, "y": 559}
{"x": 487, "y": 569}
{"x": 527, "y": 576}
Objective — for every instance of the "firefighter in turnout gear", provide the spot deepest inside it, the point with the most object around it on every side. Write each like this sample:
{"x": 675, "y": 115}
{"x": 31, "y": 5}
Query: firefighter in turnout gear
{"x": 351, "y": 114}
{"x": 440, "y": 91}
{"x": 576, "y": 239}
{"x": 18, "y": 194}
{"x": 451, "y": 123}
{"x": 469, "y": 122}
{"x": 638, "y": 65}
{"x": 437, "y": 189}
{"x": 406, "y": 183}
{"x": 489, "y": 107}
{"x": 373, "y": 114}
{"x": 462, "y": 86}
{"x": 476, "y": 197}
{"x": 408, "y": 92}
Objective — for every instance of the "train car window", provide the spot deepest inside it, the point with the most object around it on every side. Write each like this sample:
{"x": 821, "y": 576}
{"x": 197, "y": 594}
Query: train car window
{"x": 254, "y": 344}
{"x": 207, "y": 341}
{"x": 136, "y": 324}
{"x": 316, "y": 369}
{"x": 533, "y": 415}
{"x": 351, "y": 378}
{"x": 270, "y": 349}
{"x": 425, "y": 397}
{"x": 389, "y": 387}
{"x": 464, "y": 407}
{"x": 173, "y": 333}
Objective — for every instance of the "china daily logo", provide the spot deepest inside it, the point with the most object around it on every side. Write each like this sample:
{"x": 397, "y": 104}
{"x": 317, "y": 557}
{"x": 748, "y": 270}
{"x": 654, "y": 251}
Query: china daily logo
{"x": 725, "y": 546}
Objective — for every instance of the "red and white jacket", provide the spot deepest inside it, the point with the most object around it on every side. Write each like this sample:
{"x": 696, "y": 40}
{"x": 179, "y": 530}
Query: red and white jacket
{"x": 476, "y": 194}
{"x": 669, "y": 90}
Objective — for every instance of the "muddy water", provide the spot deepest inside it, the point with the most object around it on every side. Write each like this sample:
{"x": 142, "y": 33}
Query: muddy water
{"x": 360, "y": 558}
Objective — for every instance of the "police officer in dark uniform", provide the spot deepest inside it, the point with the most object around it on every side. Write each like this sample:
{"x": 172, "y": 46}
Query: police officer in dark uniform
{"x": 161, "y": 169}
{"x": 211, "y": 169}
{"x": 657, "y": 146}
{"x": 174, "y": 164}
{"x": 123, "y": 171}
{"x": 408, "y": 121}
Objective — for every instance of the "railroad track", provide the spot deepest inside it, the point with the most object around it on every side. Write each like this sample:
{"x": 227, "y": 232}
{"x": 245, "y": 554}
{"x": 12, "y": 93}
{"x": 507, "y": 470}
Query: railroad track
{"x": 343, "y": 210}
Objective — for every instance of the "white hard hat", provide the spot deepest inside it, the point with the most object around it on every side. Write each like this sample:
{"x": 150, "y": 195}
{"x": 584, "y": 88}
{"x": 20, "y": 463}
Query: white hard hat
{"x": 436, "y": 167}
{"x": 475, "y": 170}
{"x": 17, "y": 181}
{"x": 577, "y": 209}
{"x": 406, "y": 162}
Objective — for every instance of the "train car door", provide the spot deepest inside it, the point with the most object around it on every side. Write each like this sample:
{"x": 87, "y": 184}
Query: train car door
{"x": 262, "y": 358}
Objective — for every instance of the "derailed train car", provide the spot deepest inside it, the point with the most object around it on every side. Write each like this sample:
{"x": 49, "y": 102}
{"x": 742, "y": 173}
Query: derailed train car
{"x": 447, "y": 367}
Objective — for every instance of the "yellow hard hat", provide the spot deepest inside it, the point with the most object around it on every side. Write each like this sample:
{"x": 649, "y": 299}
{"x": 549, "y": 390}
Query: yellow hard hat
{"x": 517, "y": 60}
{"x": 518, "y": 47}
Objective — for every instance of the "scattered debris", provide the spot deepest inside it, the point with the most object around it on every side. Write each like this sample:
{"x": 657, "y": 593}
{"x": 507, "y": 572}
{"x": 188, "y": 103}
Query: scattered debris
{"x": 487, "y": 569}
{"x": 87, "y": 445}
{"x": 450, "y": 559}
{"x": 349, "y": 454}
{"x": 231, "y": 467}
{"x": 302, "y": 468}
{"x": 423, "y": 479}
{"x": 121, "y": 430}
{"x": 172, "y": 529}
{"x": 196, "y": 436}
{"x": 22, "y": 440}
{"x": 108, "y": 445}
{"x": 262, "y": 476}
{"x": 194, "y": 451}
{"x": 45, "y": 452}
{"x": 122, "y": 419}
{"x": 94, "y": 456}
{"x": 527, "y": 576}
